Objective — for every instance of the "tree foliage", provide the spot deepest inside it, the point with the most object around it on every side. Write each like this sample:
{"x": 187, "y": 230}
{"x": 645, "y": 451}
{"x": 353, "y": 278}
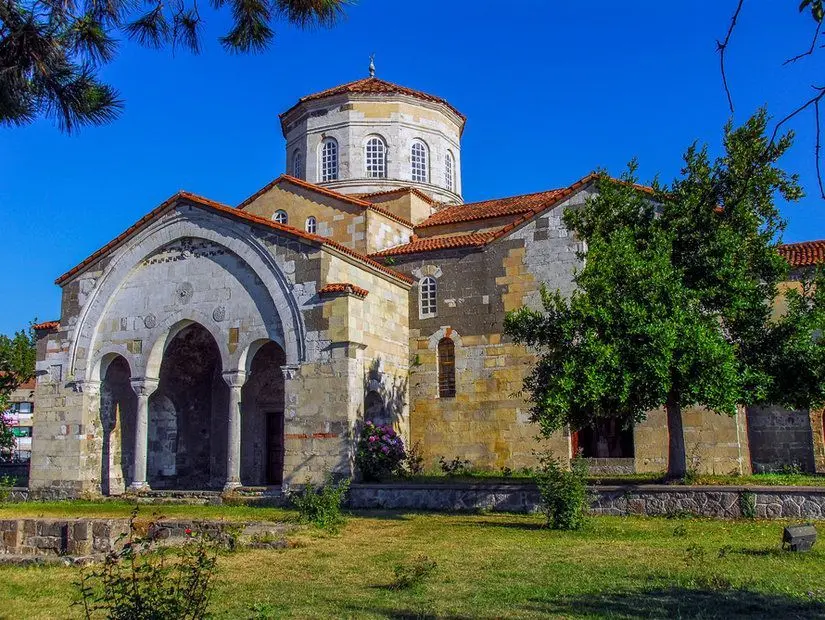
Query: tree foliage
{"x": 17, "y": 358}
{"x": 52, "y": 52}
{"x": 672, "y": 307}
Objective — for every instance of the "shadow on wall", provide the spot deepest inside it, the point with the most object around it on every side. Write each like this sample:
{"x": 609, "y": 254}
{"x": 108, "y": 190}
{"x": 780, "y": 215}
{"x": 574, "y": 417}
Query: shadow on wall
{"x": 385, "y": 396}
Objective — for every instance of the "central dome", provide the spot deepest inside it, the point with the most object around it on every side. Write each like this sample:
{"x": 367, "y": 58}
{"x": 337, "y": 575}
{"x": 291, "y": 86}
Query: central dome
{"x": 371, "y": 136}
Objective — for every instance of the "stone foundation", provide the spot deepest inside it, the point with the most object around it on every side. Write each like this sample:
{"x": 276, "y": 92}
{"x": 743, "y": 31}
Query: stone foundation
{"x": 656, "y": 500}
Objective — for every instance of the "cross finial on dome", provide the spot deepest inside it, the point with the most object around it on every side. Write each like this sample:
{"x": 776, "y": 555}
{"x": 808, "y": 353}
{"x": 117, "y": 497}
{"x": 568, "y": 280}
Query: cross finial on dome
{"x": 372, "y": 65}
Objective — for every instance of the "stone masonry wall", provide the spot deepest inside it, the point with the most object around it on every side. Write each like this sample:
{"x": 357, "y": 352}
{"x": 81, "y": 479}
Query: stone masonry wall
{"x": 781, "y": 438}
{"x": 655, "y": 500}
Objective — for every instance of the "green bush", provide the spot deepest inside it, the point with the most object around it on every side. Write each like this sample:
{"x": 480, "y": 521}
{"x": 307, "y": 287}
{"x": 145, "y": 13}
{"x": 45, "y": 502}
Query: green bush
{"x": 321, "y": 505}
{"x": 380, "y": 452}
{"x": 7, "y": 483}
{"x": 564, "y": 497}
{"x": 146, "y": 581}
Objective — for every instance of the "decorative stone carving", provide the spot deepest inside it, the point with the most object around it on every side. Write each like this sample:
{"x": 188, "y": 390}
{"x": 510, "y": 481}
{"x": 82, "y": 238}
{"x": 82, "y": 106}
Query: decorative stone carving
{"x": 219, "y": 314}
{"x": 150, "y": 321}
{"x": 144, "y": 387}
{"x": 234, "y": 378}
{"x": 184, "y": 292}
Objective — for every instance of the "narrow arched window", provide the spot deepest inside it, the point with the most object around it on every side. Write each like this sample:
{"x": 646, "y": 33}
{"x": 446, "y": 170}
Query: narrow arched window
{"x": 449, "y": 174}
{"x": 312, "y": 224}
{"x": 297, "y": 164}
{"x": 419, "y": 163}
{"x": 427, "y": 296}
{"x": 375, "y": 156}
{"x": 329, "y": 160}
{"x": 280, "y": 216}
{"x": 446, "y": 368}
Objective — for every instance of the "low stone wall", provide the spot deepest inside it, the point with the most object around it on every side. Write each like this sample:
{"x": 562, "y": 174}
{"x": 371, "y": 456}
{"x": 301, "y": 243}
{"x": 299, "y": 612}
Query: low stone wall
{"x": 82, "y": 537}
{"x": 720, "y": 502}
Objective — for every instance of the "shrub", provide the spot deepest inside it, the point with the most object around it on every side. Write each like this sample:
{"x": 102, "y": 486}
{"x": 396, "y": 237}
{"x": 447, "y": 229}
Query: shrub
{"x": 456, "y": 467}
{"x": 747, "y": 504}
{"x": 321, "y": 505}
{"x": 144, "y": 581}
{"x": 563, "y": 492}
{"x": 410, "y": 574}
{"x": 380, "y": 452}
{"x": 414, "y": 465}
{"x": 7, "y": 483}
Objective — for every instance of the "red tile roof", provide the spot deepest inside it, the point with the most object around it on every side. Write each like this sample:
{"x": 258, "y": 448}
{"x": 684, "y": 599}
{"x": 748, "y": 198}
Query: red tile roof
{"x": 373, "y": 86}
{"x": 237, "y": 213}
{"x": 538, "y": 203}
{"x": 400, "y": 190}
{"x": 497, "y": 207}
{"x": 344, "y": 287}
{"x": 804, "y": 253}
{"x": 428, "y": 244}
{"x": 325, "y": 192}
{"x": 46, "y": 325}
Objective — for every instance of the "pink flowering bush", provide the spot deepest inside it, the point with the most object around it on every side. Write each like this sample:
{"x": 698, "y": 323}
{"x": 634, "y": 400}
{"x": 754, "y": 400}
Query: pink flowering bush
{"x": 380, "y": 451}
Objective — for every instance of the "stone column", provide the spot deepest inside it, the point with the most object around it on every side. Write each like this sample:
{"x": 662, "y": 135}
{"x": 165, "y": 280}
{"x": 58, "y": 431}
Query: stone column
{"x": 235, "y": 380}
{"x": 144, "y": 388}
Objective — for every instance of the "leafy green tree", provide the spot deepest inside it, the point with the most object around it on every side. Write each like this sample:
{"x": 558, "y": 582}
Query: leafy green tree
{"x": 51, "y": 52}
{"x": 672, "y": 306}
{"x": 17, "y": 359}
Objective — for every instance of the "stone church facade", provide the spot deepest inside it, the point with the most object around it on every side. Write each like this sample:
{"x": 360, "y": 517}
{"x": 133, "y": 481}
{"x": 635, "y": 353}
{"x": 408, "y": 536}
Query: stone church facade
{"x": 212, "y": 346}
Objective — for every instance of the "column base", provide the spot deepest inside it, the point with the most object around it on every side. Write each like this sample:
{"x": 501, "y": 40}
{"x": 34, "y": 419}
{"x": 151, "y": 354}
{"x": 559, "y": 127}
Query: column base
{"x": 138, "y": 487}
{"x": 232, "y": 485}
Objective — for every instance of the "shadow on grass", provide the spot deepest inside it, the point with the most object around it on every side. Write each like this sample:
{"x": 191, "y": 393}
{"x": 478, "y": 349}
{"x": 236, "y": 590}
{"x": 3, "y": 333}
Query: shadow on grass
{"x": 682, "y": 603}
{"x": 513, "y": 525}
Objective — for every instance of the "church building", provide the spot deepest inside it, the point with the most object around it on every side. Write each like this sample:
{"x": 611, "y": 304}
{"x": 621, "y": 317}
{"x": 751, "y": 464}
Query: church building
{"x": 213, "y": 346}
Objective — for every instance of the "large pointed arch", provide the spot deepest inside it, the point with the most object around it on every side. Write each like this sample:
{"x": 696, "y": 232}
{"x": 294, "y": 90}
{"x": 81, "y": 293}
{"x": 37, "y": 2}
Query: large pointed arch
{"x": 187, "y": 222}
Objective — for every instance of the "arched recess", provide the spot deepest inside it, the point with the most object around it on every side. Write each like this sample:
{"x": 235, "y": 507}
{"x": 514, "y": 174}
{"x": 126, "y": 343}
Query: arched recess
{"x": 262, "y": 415}
{"x": 197, "y": 224}
{"x": 187, "y": 414}
{"x": 118, "y": 407}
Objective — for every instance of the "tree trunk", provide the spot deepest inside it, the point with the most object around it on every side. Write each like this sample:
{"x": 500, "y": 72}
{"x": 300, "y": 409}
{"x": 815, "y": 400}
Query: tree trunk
{"x": 677, "y": 456}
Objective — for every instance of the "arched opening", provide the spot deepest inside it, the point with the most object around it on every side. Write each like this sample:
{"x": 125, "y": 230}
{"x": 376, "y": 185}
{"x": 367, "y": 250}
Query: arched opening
{"x": 605, "y": 438}
{"x": 262, "y": 418}
{"x": 375, "y": 410}
{"x": 187, "y": 420}
{"x": 118, "y": 408}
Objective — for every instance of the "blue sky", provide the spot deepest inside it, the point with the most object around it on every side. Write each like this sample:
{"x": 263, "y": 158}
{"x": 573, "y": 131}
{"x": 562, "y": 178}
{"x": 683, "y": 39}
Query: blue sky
{"x": 551, "y": 89}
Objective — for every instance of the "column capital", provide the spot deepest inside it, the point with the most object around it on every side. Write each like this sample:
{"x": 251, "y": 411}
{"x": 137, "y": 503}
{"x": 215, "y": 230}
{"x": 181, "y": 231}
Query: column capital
{"x": 83, "y": 386}
{"x": 290, "y": 371}
{"x": 144, "y": 386}
{"x": 234, "y": 378}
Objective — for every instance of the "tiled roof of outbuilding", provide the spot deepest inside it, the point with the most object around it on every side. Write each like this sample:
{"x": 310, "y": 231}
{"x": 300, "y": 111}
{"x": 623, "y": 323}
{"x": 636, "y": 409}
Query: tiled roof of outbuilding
{"x": 374, "y": 86}
{"x": 804, "y": 253}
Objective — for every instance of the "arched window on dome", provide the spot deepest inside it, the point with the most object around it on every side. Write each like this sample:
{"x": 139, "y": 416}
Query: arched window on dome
{"x": 375, "y": 157}
{"x": 449, "y": 172}
{"x": 312, "y": 224}
{"x": 420, "y": 166}
{"x": 427, "y": 297}
{"x": 329, "y": 160}
{"x": 297, "y": 164}
{"x": 446, "y": 368}
{"x": 280, "y": 216}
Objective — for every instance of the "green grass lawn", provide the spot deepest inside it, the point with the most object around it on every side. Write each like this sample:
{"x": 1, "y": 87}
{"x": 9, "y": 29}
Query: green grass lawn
{"x": 488, "y": 566}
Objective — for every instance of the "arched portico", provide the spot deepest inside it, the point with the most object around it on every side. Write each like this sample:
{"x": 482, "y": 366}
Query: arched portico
{"x": 189, "y": 304}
